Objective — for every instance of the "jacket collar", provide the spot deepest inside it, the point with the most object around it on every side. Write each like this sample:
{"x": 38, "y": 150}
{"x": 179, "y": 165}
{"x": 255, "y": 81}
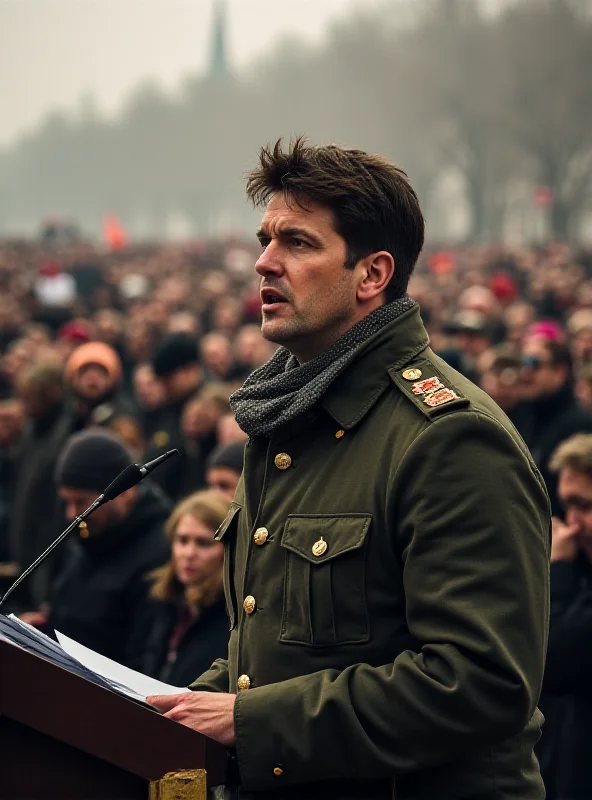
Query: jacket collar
{"x": 354, "y": 392}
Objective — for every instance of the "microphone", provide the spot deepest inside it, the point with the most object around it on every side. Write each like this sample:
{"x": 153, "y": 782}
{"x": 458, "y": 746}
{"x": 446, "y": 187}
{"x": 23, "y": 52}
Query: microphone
{"x": 130, "y": 476}
{"x": 134, "y": 474}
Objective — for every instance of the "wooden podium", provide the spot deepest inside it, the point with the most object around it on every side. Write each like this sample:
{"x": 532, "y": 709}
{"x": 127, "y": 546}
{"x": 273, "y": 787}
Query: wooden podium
{"x": 65, "y": 738}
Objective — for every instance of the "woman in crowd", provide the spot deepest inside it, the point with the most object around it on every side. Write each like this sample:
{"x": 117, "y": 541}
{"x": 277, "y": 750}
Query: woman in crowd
{"x": 186, "y": 626}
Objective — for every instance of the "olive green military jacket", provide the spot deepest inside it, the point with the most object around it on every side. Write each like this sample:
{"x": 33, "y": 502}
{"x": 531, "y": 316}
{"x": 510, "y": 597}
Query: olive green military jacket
{"x": 387, "y": 582}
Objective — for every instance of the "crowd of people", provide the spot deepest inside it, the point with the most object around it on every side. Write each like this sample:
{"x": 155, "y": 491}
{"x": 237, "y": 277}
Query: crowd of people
{"x": 109, "y": 357}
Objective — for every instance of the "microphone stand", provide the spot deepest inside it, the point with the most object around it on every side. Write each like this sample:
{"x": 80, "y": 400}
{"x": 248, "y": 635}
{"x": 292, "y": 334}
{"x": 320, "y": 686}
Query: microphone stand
{"x": 80, "y": 518}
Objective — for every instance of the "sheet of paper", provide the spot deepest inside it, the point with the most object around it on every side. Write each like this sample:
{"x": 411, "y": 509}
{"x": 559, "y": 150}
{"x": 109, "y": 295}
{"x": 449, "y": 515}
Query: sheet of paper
{"x": 125, "y": 677}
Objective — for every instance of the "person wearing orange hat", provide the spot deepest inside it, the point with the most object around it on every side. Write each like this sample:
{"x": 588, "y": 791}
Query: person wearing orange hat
{"x": 93, "y": 375}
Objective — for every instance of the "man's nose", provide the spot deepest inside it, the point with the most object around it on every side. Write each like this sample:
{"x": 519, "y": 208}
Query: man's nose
{"x": 269, "y": 262}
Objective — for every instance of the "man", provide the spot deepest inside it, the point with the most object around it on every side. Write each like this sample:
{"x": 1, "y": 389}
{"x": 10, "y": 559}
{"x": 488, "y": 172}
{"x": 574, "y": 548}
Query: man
{"x": 224, "y": 467}
{"x": 550, "y": 413}
{"x": 176, "y": 364}
{"x": 93, "y": 375}
{"x": 102, "y": 587}
{"x": 40, "y": 387}
{"x": 387, "y": 548}
{"x": 565, "y": 751}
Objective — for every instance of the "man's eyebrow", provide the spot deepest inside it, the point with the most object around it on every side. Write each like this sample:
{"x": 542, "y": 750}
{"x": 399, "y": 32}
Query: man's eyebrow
{"x": 291, "y": 231}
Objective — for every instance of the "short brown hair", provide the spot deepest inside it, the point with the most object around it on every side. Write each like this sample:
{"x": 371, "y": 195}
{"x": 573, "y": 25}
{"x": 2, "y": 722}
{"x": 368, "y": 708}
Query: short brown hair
{"x": 373, "y": 204}
{"x": 575, "y": 452}
{"x": 210, "y": 507}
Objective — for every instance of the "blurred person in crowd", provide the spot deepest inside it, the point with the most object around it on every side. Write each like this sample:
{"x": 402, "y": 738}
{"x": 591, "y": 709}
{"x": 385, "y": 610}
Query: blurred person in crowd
{"x": 185, "y": 627}
{"x": 501, "y": 378}
{"x": 251, "y": 349}
{"x": 93, "y": 376}
{"x": 567, "y": 694}
{"x": 183, "y": 322}
{"x": 549, "y": 413}
{"x": 470, "y": 338}
{"x": 40, "y": 388}
{"x": 109, "y": 327}
{"x": 224, "y": 467}
{"x": 517, "y": 319}
{"x": 227, "y": 316}
{"x": 71, "y": 335}
{"x": 149, "y": 393}
{"x": 101, "y": 589}
{"x": 583, "y": 387}
{"x": 579, "y": 327}
{"x": 229, "y": 431}
{"x": 19, "y": 354}
{"x": 177, "y": 365}
{"x": 55, "y": 291}
{"x": 199, "y": 432}
{"x": 218, "y": 358}
{"x": 11, "y": 430}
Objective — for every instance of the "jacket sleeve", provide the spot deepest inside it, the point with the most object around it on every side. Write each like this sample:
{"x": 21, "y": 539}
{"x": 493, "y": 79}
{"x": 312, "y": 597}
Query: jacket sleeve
{"x": 569, "y": 654}
{"x": 214, "y": 680}
{"x": 472, "y": 525}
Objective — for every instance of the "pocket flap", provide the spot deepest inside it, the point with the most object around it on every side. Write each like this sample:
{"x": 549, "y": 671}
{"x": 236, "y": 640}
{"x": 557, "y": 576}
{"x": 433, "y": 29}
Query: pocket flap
{"x": 340, "y": 532}
{"x": 223, "y": 529}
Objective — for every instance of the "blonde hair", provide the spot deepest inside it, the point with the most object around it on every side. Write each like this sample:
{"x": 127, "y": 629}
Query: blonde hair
{"x": 575, "y": 452}
{"x": 209, "y": 507}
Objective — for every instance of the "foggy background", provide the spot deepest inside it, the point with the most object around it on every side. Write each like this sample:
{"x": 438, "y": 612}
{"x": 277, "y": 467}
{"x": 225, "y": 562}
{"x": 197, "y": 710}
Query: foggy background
{"x": 154, "y": 109}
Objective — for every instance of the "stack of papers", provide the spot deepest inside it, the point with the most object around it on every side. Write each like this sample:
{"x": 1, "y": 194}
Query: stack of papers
{"x": 82, "y": 661}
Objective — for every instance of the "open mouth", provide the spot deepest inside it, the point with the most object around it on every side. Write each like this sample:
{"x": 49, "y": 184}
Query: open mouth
{"x": 270, "y": 298}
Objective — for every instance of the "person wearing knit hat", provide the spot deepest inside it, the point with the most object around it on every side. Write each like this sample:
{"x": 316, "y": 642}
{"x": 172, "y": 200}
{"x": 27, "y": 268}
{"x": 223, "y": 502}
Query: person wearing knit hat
{"x": 101, "y": 588}
{"x": 224, "y": 467}
{"x": 93, "y": 374}
{"x": 176, "y": 363}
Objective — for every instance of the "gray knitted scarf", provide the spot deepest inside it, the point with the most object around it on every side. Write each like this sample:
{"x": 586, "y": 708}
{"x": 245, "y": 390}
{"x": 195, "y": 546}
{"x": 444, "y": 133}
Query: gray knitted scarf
{"x": 282, "y": 389}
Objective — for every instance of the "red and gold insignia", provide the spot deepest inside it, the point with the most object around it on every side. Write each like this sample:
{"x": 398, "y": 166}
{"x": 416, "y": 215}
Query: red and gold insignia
{"x": 440, "y": 397}
{"x": 427, "y": 386}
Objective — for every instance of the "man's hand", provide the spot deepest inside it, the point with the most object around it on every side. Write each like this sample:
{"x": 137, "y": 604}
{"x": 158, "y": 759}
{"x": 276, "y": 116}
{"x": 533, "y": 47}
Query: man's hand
{"x": 210, "y": 713}
{"x": 564, "y": 544}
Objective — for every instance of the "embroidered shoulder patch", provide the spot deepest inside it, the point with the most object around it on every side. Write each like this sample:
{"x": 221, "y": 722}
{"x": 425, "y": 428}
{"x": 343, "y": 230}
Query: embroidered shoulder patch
{"x": 433, "y": 394}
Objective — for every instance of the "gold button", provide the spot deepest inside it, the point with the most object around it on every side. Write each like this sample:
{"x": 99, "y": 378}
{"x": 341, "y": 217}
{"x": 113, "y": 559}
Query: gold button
{"x": 282, "y": 461}
{"x": 320, "y": 548}
{"x": 261, "y": 535}
{"x": 249, "y": 604}
{"x": 243, "y": 683}
{"x": 83, "y": 530}
{"x": 340, "y": 434}
{"x": 412, "y": 374}
{"x": 277, "y": 771}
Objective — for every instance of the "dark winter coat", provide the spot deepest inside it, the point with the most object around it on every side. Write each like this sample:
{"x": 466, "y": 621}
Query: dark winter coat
{"x": 386, "y": 575}
{"x": 205, "y": 640}
{"x": 544, "y": 424}
{"x": 103, "y": 588}
{"x": 567, "y": 689}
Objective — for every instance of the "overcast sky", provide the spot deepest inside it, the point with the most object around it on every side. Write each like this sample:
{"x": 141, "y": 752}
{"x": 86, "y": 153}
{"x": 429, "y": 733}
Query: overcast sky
{"x": 52, "y": 52}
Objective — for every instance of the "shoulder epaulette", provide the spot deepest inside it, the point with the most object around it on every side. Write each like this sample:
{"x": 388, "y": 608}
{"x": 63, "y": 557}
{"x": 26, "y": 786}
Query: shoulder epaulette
{"x": 426, "y": 387}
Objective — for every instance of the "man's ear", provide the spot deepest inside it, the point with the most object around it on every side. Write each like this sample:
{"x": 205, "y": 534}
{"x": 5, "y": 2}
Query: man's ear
{"x": 376, "y": 271}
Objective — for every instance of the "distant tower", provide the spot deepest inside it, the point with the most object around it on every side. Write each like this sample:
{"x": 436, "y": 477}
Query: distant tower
{"x": 219, "y": 57}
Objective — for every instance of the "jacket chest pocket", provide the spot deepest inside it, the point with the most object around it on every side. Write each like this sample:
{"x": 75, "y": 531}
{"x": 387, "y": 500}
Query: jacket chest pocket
{"x": 325, "y": 585}
{"x": 226, "y": 533}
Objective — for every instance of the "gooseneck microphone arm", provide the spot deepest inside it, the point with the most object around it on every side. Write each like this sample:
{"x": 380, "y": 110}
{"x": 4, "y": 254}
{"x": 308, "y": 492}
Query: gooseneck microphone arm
{"x": 130, "y": 476}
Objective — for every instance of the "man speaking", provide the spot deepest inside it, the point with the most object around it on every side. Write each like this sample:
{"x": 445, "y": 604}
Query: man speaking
{"x": 387, "y": 550}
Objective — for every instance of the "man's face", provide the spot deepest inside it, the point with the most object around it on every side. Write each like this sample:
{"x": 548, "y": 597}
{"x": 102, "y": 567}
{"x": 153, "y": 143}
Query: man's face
{"x": 92, "y": 382}
{"x": 309, "y": 298}
{"x": 78, "y": 500}
{"x": 540, "y": 377}
{"x": 181, "y": 383}
{"x": 575, "y": 493}
{"x": 224, "y": 479}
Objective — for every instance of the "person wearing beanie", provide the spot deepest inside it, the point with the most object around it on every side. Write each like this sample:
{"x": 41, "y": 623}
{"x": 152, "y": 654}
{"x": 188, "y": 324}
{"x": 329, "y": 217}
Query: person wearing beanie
{"x": 93, "y": 376}
{"x": 176, "y": 363}
{"x": 225, "y": 466}
{"x": 100, "y": 589}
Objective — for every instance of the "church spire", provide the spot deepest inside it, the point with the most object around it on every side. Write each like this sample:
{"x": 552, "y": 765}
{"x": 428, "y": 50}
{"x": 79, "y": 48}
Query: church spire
{"x": 219, "y": 57}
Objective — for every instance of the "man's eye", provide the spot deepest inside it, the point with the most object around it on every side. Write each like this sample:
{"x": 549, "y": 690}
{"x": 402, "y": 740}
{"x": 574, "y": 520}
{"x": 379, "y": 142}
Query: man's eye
{"x": 298, "y": 243}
